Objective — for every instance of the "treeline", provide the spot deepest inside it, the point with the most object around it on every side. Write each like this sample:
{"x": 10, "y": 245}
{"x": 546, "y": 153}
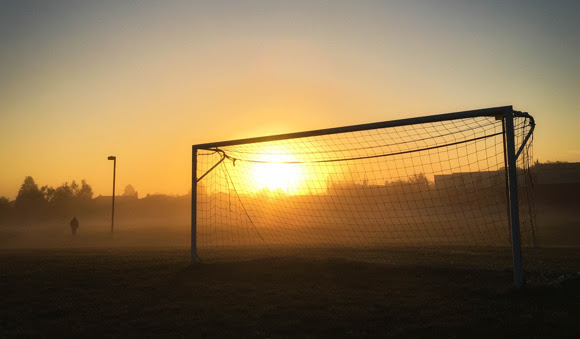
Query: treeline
{"x": 44, "y": 204}
{"x": 32, "y": 201}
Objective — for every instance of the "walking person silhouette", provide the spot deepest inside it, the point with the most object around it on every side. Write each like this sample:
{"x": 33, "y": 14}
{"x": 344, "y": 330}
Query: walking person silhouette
{"x": 74, "y": 224}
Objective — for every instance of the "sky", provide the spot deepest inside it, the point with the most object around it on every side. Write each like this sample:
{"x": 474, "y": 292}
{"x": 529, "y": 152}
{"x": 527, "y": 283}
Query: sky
{"x": 144, "y": 80}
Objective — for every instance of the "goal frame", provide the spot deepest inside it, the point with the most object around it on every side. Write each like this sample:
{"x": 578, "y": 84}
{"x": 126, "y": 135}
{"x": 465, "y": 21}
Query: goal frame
{"x": 504, "y": 113}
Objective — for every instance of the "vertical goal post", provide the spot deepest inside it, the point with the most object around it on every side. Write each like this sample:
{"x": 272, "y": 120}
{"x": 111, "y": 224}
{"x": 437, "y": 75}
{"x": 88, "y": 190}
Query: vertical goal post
{"x": 428, "y": 134}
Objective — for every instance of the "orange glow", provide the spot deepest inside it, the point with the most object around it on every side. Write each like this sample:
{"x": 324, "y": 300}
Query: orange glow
{"x": 146, "y": 81}
{"x": 277, "y": 172}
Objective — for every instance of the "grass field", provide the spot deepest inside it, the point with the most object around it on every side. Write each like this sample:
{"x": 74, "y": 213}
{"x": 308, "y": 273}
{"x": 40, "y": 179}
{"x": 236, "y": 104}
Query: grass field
{"x": 155, "y": 292}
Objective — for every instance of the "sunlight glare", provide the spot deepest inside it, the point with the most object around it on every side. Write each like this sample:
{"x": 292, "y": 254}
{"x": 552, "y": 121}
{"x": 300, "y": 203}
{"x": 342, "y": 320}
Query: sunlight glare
{"x": 276, "y": 173}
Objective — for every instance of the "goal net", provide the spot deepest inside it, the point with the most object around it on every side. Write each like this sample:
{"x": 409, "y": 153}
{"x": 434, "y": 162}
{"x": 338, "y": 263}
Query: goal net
{"x": 435, "y": 183}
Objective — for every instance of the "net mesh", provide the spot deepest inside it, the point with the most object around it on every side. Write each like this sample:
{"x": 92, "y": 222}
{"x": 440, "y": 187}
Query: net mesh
{"x": 431, "y": 185}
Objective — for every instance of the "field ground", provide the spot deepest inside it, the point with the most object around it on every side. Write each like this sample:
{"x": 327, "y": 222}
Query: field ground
{"x": 120, "y": 292}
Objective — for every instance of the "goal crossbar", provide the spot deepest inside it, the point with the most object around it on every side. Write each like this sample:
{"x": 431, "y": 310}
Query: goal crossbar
{"x": 485, "y": 112}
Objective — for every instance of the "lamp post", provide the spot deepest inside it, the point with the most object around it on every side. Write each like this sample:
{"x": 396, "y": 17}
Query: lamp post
{"x": 114, "y": 158}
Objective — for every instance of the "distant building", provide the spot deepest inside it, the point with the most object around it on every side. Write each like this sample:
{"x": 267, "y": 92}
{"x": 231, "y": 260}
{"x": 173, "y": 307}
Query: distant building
{"x": 470, "y": 181}
{"x": 544, "y": 174}
{"x": 106, "y": 199}
{"x": 557, "y": 173}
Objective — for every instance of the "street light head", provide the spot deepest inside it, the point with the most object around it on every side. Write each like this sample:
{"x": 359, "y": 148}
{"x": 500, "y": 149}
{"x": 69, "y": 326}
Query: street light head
{"x": 112, "y": 157}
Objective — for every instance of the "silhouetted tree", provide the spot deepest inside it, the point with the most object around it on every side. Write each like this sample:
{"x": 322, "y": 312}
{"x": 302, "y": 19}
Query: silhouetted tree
{"x": 74, "y": 187}
{"x": 85, "y": 193}
{"x": 47, "y": 192}
{"x": 30, "y": 199}
{"x": 5, "y": 207}
{"x": 419, "y": 179}
{"x": 67, "y": 199}
{"x": 130, "y": 191}
{"x": 4, "y": 201}
{"x": 63, "y": 195}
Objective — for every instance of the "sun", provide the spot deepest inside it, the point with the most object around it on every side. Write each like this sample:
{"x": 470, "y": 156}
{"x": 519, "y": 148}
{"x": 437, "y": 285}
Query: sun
{"x": 278, "y": 172}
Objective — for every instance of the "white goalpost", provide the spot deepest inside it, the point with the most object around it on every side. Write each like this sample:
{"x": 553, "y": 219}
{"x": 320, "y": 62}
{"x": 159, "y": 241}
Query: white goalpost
{"x": 447, "y": 181}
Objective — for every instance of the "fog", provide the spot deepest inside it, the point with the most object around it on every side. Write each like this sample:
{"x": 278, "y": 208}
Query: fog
{"x": 95, "y": 233}
{"x": 151, "y": 221}
{"x": 364, "y": 217}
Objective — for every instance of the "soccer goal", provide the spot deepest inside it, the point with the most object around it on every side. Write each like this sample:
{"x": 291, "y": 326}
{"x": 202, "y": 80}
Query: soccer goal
{"x": 442, "y": 182}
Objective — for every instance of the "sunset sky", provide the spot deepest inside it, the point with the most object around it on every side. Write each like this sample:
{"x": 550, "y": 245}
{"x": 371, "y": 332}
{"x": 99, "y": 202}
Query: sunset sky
{"x": 144, "y": 80}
